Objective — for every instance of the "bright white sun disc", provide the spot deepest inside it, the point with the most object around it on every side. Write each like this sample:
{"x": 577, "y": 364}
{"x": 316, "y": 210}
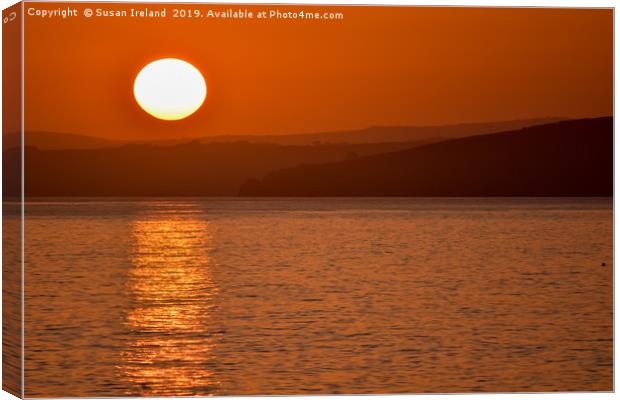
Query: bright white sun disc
{"x": 170, "y": 89}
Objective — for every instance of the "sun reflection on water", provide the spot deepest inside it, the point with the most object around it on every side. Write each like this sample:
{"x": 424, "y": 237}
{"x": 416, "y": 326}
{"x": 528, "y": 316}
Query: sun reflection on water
{"x": 172, "y": 289}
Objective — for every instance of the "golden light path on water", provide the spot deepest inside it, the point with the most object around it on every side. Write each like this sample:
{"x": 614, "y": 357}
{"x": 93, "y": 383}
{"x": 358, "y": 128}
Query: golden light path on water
{"x": 172, "y": 290}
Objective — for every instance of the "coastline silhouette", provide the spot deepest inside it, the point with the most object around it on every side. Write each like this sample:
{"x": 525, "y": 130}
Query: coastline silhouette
{"x": 568, "y": 158}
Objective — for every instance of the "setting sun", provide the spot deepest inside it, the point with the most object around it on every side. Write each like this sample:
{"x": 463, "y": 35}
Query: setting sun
{"x": 170, "y": 89}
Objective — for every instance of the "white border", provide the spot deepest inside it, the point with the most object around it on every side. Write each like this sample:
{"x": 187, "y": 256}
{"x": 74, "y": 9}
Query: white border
{"x": 479, "y": 3}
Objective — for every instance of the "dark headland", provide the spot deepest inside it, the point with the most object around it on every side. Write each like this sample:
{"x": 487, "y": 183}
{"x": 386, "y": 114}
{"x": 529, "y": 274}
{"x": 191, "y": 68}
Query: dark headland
{"x": 570, "y": 158}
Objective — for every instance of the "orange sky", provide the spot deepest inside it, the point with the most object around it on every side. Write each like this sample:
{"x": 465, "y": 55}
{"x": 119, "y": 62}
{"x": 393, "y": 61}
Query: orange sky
{"x": 378, "y": 66}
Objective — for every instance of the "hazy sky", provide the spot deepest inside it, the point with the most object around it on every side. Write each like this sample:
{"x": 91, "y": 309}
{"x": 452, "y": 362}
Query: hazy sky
{"x": 378, "y": 66}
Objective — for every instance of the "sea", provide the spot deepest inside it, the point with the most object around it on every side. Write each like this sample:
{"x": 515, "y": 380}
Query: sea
{"x": 283, "y": 296}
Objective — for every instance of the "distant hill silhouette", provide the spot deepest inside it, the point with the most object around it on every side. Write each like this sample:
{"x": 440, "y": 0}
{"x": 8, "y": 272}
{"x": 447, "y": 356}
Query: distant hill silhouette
{"x": 428, "y": 134}
{"x": 571, "y": 158}
{"x": 55, "y": 141}
{"x": 382, "y": 134}
{"x": 192, "y": 169}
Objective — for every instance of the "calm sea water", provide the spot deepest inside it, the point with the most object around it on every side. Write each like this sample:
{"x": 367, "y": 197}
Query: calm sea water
{"x": 302, "y": 296}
